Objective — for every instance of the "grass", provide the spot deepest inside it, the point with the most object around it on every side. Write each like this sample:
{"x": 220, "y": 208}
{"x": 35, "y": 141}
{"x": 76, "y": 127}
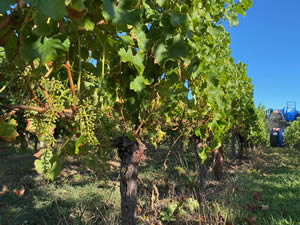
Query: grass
{"x": 267, "y": 190}
{"x": 76, "y": 197}
{"x": 263, "y": 189}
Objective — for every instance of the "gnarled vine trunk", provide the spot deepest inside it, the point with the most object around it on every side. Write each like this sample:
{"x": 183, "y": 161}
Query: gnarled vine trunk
{"x": 130, "y": 153}
{"x": 218, "y": 163}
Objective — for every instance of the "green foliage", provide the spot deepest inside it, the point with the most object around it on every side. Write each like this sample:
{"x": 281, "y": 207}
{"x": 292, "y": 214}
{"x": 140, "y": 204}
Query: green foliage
{"x": 179, "y": 209}
{"x": 48, "y": 165}
{"x": 136, "y": 60}
{"x": 8, "y": 130}
{"x": 81, "y": 140}
{"x": 139, "y": 83}
{"x": 54, "y": 9}
{"x": 202, "y": 155}
{"x": 167, "y": 215}
{"x": 5, "y": 5}
{"x": 78, "y": 4}
{"x": 259, "y": 131}
{"x": 292, "y": 134}
{"x": 43, "y": 48}
{"x": 102, "y": 69}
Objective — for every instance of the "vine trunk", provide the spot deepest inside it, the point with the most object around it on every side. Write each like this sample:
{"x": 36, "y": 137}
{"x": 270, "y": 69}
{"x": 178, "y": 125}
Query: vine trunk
{"x": 131, "y": 153}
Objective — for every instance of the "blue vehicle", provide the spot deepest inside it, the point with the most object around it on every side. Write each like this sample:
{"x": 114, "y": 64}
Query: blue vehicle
{"x": 279, "y": 119}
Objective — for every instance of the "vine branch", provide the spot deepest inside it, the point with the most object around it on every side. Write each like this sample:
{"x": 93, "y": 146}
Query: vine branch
{"x": 48, "y": 72}
{"x": 25, "y": 107}
{"x": 72, "y": 86}
{"x": 12, "y": 112}
{"x": 34, "y": 96}
{"x": 136, "y": 132}
{"x": 123, "y": 118}
{"x": 45, "y": 94}
{"x": 67, "y": 112}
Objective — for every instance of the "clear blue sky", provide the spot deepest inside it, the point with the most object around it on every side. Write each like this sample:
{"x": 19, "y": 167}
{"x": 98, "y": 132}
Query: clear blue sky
{"x": 267, "y": 39}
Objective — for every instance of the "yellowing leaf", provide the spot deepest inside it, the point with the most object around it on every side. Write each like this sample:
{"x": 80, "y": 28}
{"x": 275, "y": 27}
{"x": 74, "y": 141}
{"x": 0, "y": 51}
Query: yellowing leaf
{"x": 8, "y": 130}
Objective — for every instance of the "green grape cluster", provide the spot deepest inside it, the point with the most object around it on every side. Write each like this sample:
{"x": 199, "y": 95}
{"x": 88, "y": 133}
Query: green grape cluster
{"x": 86, "y": 117}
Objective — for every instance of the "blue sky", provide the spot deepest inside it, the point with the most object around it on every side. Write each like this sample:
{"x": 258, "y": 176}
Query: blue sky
{"x": 267, "y": 39}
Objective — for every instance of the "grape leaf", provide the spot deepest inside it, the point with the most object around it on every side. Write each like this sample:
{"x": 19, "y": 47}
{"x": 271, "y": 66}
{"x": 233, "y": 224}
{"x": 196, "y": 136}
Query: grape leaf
{"x": 160, "y": 53}
{"x": 139, "y": 83}
{"x": 5, "y": 5}
{"x": 81, "y": 140}
{"x": 136, "y": 60}
{"x": 8, "y": 130}
{"x": 216, "y": 32}
{"x": 78, "y": 5}
{"x": 177, "y": 18}
{"x": 54, "y": 9}
{"x": 87, "y": 24}
{"x": 203, "y": 155}
{"x": 118, "y": 15}
{"x": 45, "y": 49}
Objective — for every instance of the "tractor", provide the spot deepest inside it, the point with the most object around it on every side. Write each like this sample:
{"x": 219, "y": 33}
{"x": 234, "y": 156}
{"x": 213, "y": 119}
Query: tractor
{"x": 279, "y": 119}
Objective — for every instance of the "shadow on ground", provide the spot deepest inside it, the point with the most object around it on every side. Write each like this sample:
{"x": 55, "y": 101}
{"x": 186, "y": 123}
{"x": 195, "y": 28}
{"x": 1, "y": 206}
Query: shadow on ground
{"x": 74, "y": 198}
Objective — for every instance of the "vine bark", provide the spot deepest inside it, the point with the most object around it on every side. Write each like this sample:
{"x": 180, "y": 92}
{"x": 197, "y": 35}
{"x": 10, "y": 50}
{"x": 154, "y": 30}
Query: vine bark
{"x": 130, "y": 153}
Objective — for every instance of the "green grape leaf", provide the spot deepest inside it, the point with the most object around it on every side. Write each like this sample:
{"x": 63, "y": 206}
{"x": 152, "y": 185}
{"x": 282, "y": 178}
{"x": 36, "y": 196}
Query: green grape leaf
{"x": 78, "y": 5}
{"x": 54, "y": 9}
{"x": 40, "y": 20}
{"x": 86, "y": 24}
{"x": 139, "y": 83}
{"x": 216, "y": 32}
{"x": 216, "y": 143}
{"x": 8, "y": 130}
{"x": 233, "y": 18}
{"x": 213, "y": 126}
{"x": 50, "y": 168}
{"x": 127, "y": 40}
{"x": 240, "y": 9}
{"x": 177, "y": 18}
{"x": 39, "y": 166}
{"x": 177, "y": 48}
{"x": 11, "y": 46}
{"x": 171, "y": 209}
{"x": 143, "y": 42}
{"x": 118, "y": 15}
{"x": 212, "y": 79}
{"x": 81, "y": 140}
{"x": 202, "y": 155}
{"x": 5, "y": 5}
{"x": 69, "y": 147}
{"x": 129, "y": 4}
{"x": 160, "y": 53}
{"x": 45, "y": 49}
{"x": 246, "y": 4}
{"x": 137, "y": 60}
{"x": 56, "y": 167}
{"x": 161, "y": 2}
